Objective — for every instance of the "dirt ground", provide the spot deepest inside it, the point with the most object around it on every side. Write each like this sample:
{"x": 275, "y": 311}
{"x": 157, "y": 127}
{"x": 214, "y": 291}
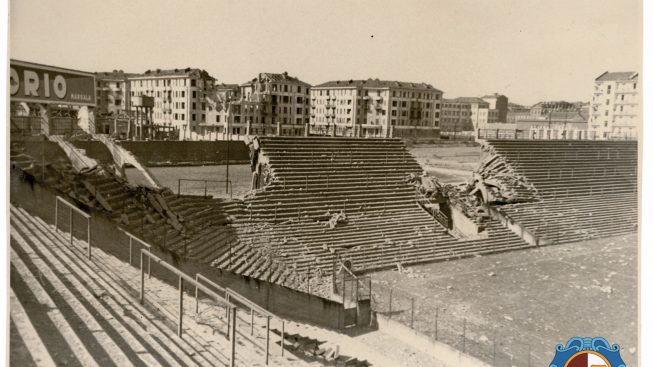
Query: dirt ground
{"x": 451, "y": 163}
{"x": 528, "y": 301}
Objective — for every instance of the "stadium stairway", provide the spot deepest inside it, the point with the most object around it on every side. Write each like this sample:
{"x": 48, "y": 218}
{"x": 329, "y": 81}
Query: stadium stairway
{"x": 588, "y": 189}
{"x": 72, "y": 311}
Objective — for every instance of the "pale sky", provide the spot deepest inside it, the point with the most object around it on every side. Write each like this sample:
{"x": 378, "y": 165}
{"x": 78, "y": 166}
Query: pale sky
{"x": 527, "y": 50}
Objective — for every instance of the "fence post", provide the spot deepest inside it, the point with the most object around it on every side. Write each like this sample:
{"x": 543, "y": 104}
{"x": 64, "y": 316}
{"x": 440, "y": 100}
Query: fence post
{"x": 464, "y": 331}
{"x": 142, "y": 281}
{"x": 88, "y": 236}
{"x": 494, "y": 348}
{"x": 267, "y": 340}
{"x": 283, "y": 336}
{"x": 251, "y": 314}
{"x": 197, "y": 299}
{"x": 412, "y": 311}
{"x": 232, "y": 331}
{"x": 71, "y": 226}
{"x": 390, "y": 305}
{"x": 437, "y": 311}
{"x": 178, "y": 187}
{"x": 181, "y": 306}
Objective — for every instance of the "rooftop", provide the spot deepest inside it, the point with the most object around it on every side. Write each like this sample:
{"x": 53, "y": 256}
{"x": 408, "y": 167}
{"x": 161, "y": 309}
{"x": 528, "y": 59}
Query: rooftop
{"x": 191, "y": 72}
{"x": 274, "y": 77}
{"x": 621, "y": 75}
{"x": 376, "y": 83}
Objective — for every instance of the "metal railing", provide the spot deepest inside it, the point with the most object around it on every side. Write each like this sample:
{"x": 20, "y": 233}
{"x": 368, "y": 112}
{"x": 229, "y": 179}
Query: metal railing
{"x": 425, "y": 203}
{"x": 228, "y": 186}
{"x": 183, "y": 277}
{"x": 253, "y": 308}
{"x": 73, "y": 209}
{"x": 142, "y": 243}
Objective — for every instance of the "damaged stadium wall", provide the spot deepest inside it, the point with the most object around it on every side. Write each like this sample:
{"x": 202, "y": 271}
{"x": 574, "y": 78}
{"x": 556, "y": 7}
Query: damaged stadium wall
{"x": 170, "y": 153}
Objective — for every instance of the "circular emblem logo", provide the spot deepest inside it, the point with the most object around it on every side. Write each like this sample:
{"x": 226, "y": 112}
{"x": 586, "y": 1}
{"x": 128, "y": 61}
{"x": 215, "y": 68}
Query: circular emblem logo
{"x": 587, "y": 358}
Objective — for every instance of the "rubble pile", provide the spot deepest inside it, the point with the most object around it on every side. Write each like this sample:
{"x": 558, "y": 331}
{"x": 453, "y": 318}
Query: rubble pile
{"x": 498, "y": 182}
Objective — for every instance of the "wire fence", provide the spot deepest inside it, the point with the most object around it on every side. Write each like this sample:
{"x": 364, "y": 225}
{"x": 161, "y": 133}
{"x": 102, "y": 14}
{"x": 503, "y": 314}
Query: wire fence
{"x": 493, "y": 344}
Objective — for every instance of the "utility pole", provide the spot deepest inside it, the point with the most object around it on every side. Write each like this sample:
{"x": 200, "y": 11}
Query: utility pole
{"x": 230, "y": 116}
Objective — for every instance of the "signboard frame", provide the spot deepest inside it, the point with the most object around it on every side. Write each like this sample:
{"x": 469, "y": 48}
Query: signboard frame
{"x": 53, "y": 72}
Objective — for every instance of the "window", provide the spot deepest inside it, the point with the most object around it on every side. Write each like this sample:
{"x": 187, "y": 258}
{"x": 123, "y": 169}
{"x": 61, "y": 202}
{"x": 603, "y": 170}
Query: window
{"x": 394, "y": 112}
{"x": 634, "y": 85}
{"x": 192, "y": 82}
{"x": 183, "y": 104}
{"x": 609, "y": 87}
{"x": 299, "y": 110}
{"x": 605, "y": 124}
{"x": 606, "y": 112}
{"x": 217, "y": 118}
{"x": 300, "y": 100}
{"x": 183, "y": 117}
{"x": 607, "y": 102}
{"x": 194, "y": 94}
{"x": 394, "y": 103}
{"x": 194, "y": 106}
{"x": 193, "y": 117}
{"x": 285, "y": 87}
{"x": 403, "y": 104}
{"x": 118, "y": 102}
{"x": 299, "y": 90}
{"x": 622, "y": 97}
{"x": 286, "y": 99}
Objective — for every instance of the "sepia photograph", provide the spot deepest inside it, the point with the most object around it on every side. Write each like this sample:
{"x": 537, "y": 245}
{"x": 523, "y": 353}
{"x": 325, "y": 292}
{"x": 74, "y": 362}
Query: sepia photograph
{"x": 310, "y": 183}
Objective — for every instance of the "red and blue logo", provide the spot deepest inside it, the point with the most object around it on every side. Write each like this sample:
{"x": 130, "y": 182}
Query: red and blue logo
{"x": 587, "y": 352}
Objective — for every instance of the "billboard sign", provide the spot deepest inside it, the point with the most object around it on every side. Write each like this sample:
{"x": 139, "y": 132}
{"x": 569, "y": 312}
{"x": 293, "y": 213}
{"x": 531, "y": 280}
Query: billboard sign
{"x": 29, "y": 82}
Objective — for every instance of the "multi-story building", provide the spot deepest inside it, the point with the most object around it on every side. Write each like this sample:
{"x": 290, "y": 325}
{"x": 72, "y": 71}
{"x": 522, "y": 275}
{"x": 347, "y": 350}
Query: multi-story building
{"x": 373, "y": 106}
{"x": 614, "y": 109}
{"x": 112, "y": 93}
{"x": 261, "y": 106}
{"x": 465, "y": 114}
{"x": 498, "y": 105}
{"x": 179, "y": 96}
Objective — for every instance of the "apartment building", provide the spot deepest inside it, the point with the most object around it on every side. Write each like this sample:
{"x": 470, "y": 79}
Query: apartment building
{"x": 179, "y": 96}
{"x": 261, "y": 106}
{"x": 112, "y": 89}
{"x": 465, "y": 114}
{"x": 498, "y": 105}
{"x": 615, "y": 104}
{"x": 375, "y": 105}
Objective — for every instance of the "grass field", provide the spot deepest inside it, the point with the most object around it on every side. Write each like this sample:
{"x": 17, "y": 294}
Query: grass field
{"x": 239, "y": 175}
{"x": 528, "y": 301}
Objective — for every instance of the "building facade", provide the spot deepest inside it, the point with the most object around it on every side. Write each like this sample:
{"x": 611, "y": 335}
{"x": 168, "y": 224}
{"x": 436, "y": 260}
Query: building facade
{"x": 498, "y": 105}
{"x": 112, "y": 93}
{"x": 263, "y": 105}
{"x": 465, "y": 114}
{"x": 179, "y": 96}
{"x": 374, "y": 107}
{"x": 615, "y": 104}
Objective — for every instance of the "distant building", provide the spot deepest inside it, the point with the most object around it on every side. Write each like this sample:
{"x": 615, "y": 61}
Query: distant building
{"x": 373, "y": 107}
{"x": 498, "y": 105}
{"x": 465, "y": 114}
{"x": 554, "y": 116}
{"x": 263, "y": 105}
{"x": 179, "y": 96}
{"x": 113, "y": 93}
{"x": 614, "y": 110}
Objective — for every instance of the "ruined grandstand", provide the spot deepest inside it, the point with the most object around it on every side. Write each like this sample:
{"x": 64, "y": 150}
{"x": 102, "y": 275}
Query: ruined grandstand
{"x": 323, "y": 215}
